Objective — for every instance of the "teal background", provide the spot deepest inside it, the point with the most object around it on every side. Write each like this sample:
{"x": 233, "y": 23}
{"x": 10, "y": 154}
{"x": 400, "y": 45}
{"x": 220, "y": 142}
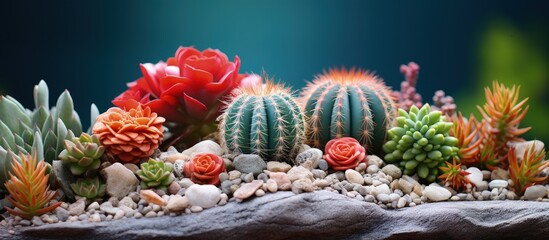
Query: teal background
{"x": 93, "y": 48}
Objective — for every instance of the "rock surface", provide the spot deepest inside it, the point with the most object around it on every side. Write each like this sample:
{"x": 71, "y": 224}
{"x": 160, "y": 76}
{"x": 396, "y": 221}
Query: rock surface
{"x": 317, "y": 215}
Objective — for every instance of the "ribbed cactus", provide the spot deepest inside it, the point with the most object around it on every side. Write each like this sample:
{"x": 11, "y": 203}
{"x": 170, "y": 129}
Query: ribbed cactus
{"x": 263, "y": 120}
{"x": 348, "y": 103}
{"x": 420, "y": 142}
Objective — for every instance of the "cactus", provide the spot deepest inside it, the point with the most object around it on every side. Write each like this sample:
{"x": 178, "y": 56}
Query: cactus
{"x": 348, "y": 103}
{"x": 264, "y": 120}
{"x": 155, "y": 174}
{"x": 90, "y": 188}
{"x": 82, "y": 155}
{"x": 420, "y": 142}
{"x": 21, "y": 129}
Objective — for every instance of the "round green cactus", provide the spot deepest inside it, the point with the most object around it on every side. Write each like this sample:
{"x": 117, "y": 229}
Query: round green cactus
{"x": 348, "y": 103}
{"x": 263, "y": 120}
{"x": 90, "y": 188}
{"x": 420, "y": 142}
{"x": 155, "y": 174}
{"x": 82, "y": 155}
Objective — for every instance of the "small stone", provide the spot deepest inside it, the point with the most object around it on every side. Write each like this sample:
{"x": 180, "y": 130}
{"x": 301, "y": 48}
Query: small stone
{"x": 95, "y": 218}
{"x": 401, "y": 203}
{"x": 249, "y": 163}
{"x": 376, "y": 182}
{"x": 247, "y": 189}
{"x": 319, "y": 174}
{"x": 78, "y": 207}
{"x": 392, "y": 170}
{"x": 260, "y": 193}
{"x": 196, "y": 209}
{"x": 263, "y": 177}
{"x": 25, "y": 223}
{"x": 475, "y": 176}
{"x": 185, "y": 182}
{"x": 177, "y": 203}
{"x": 151, "y": 214}
{"x": 272, "y": 186}
{"x": 486, "y": 174}
{"x": 372, "y": 169}
{"x": 437, "y": 194}
{"x": 151, "y": 197}
{"x": 223, "y": 176}
{"x": 321, "y": 183}
{"x": 383, "y": 188}
{"x": 393, "y": 197}
{"x": 354, "y": 177}
{"x": 205, "y": 196}
{"x": 174, "y": 188}
{"x": 62, "y": 214}
{"x": 238, "y": 180}
{"x": 302, "y": 185}
{"x": 127, "y": 202}
{"x": 534, "y": 192}
{"x": 455, "y": 198}
{"x": 226, "y": 186}
{"x": 382, "y": 197}
{"x": 309, "y": 158}
{"x": 405, "y": 186}
{"x": 172, "y": 155}
{"x": 361, "y": 167}
{"x": 234, "y": 174}
{"x": 119, "y": 180}
{"x": 375, "y": 160}
{"x": 36, "y": 221}
{"x": 248, "y": 177}
{"x": 323, "y": 165}
{"x": 178, "y": 168}
{"x": 275, "y": 166}
{"x": 369, "y": 198}
{"x": 118, "y": 215}
{"x": 498, "y": 184}
{"x": 485, "y": 194}
{"x": 93, "y": 205}
{"x": 481, "y": 186}
{"x": 282, "y": 180}
{"x": 207, "y": 146}
{"x": 132, "y": 167}
{"x": 511, "y": 195}
{"x": 299, "y": 172}
{"x": 499, "y": 174}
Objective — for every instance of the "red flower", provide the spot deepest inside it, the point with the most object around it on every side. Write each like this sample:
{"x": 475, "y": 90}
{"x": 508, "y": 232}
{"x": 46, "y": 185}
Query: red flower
{"x": 204, "y": 168}
{"x": 344, "y": 153}
{"x": 185, "y": 88}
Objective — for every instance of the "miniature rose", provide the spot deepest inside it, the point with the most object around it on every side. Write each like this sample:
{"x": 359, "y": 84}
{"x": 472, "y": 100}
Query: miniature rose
{"x": 204, "y": 168}
{"x": 344, "y": 153}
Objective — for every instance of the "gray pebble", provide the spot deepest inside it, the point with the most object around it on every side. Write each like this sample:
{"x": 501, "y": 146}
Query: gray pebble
{"x": 146, "y": 210}
{"x": 462, "y": 196}
{"x": 83, "y": 217}
{"x": 322, "y": 164}
{"x": 317, "y": 173}
{"x": 263, "y": 177}
{"x": 372, "y": 169}
{"x": 150, "y": 214}
{"x": 226, "y": 186}
{"x": 382, "y": 197}
{"x": 470, "y": 197}
{"x": 108, "y": 218}
{"x": 340, "y": 175}
{"x": 62, "y": 214}
{"x": 223, "y": 176}
{"x": 369, "y": 198}
{"x": 182, "y": 192}
{"x": 25, "y": 222}
{"x": 160, "y": 214}
{"x": 236, "y": 181}
{"x": 36, "y": 221}
{"x": 393, "y": 197}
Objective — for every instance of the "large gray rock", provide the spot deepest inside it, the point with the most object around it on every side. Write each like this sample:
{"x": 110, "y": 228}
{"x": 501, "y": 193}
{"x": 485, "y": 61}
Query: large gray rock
{"x": 318, "y": 215}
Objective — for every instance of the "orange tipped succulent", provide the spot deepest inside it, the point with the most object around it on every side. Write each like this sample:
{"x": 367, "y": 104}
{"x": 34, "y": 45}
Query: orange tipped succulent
{"x": 503, "y": 113}
{"x": 28, "y": 188}
{"x": 129, "y": 136}
{"x": 525, "y": 173}
{"x": 454, "y": 175}
{"x": 466, "y": 132}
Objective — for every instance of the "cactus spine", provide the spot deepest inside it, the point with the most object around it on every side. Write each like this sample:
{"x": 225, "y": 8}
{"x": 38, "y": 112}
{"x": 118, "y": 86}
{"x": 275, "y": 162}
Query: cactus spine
{"x": 263, "y": 120}
{"x": 348, "y": 103}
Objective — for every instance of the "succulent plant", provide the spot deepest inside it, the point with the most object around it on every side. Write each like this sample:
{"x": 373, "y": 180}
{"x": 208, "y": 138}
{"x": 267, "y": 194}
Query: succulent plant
{"x": 129, "y": 136}
{"x": 21, "y": 129}
{"x": 526, "y": 172}
{"x": 348, "y": 103}
{"x": 420, "y": 142}
{"x": 90, "y": 188}
{"x": 263, "y": 120}
{"x": 155, "y": 174}
{"x": 28, "y": 188}
{"x": 83, "y": 155}
{"x": 453, "y": 175}
{"x": 408, "y": 96}
{"x": 502, "y": 115}
{"x": 187, "y": 90}
{"x": 466, "y": 131}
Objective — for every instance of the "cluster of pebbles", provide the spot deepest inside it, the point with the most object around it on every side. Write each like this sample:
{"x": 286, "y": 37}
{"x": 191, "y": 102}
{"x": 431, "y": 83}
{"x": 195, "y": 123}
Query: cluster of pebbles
{"x": 249, "y": 176}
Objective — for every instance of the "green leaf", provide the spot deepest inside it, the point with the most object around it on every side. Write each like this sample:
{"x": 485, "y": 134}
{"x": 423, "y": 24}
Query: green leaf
{"x": 65, "y": 106}
{"x": 41, "y": 95}
{"x": 94, "y": 112}
{"x": 13, "y": 114}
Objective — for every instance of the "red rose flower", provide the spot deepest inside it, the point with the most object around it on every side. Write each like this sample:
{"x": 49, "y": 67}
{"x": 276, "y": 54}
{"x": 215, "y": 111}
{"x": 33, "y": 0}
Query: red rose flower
{"x": 344, "y": 153}
{"x": 204, "y": 168}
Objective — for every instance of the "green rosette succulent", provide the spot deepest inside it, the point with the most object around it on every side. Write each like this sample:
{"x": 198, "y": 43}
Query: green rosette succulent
{"x": 82, "y": 155}
{"x": 90, "y": 188}
{"x": 420, "y": 142}
{"x": 155, "y": 174}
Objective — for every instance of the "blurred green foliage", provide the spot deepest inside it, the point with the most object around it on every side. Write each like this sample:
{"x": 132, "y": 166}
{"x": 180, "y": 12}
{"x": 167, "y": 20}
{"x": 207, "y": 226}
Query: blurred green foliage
{"x": 512, "y": 56}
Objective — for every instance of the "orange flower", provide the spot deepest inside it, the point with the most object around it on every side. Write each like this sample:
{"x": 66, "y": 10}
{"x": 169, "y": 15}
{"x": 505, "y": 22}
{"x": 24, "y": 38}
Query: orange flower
{"x": 131, "y": 135}
{"x": 205, "y": 168}
{"x": 344, "y": 153}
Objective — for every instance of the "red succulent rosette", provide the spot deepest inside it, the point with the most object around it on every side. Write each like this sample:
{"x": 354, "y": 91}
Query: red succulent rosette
{"x": 344, "y": 153}
{"x": 204, "y": 168}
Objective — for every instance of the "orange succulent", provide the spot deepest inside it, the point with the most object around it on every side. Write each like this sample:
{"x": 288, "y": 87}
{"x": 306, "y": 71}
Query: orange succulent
{"x": 525, "y": 173}
{"x": 129, "y": 136}
{"x": 454, "y": 175}
{"x": 28, "y": 188}
{"x": 466, "y": 132}
{"x": 204, "y": 168}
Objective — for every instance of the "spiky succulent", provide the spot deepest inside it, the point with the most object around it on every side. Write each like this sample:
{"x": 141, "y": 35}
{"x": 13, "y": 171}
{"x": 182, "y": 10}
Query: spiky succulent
{"x": 90, "y": 188}
{"x": 83, "y": 155}
{"x": 263, "y": 120}
{"x": 155, "y": 174}
{"x": 22, "y": 128}
{"x": 420, "y": 142}
{"x": 466, "y": 131}
{"x": 525, "y": 173}
{"x": 28, "y": 187}
{"x": 453, "y": 175}
{"x": 348, "y": 103}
